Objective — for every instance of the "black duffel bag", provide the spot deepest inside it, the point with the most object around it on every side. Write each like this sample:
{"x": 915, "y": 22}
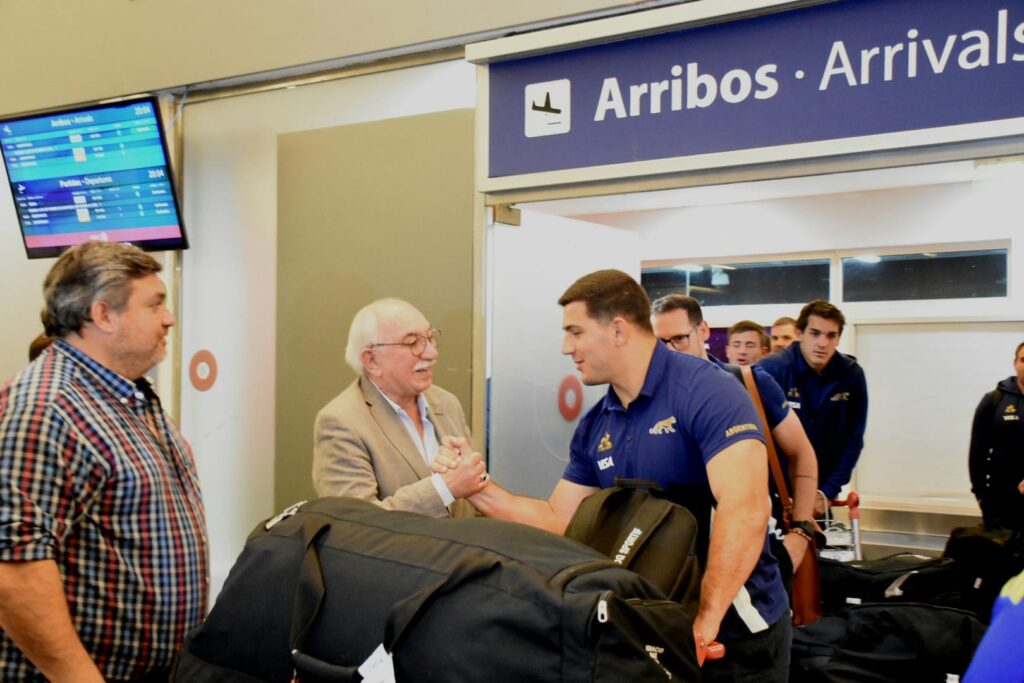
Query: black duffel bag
{"x": 985, "y": 559}
{"x": 885, "y": 643}
{"x": 318, "y": 592}
{"x": 903, "y": 577}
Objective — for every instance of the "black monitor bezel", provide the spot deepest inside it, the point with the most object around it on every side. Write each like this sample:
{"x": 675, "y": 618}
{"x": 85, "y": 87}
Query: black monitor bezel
{"x": 175, "y": 244}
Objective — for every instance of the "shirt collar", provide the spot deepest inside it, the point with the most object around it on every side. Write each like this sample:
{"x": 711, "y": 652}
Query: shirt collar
{"x": 421, "y": 403}
{"x": 655, "y": 372}
{"x": 104, "y": 376}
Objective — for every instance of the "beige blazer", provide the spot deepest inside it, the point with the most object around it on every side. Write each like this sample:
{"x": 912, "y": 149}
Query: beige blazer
{"x": 362, "y": 450}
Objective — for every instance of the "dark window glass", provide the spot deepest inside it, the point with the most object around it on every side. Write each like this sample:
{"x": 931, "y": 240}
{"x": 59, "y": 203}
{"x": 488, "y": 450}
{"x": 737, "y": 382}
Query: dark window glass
{"x": 941, "y": 275}
{"x": 769, "y": 282}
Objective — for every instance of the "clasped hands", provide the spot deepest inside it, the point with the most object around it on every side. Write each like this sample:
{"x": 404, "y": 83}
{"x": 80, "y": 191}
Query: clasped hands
{"x": 462, "y": 469}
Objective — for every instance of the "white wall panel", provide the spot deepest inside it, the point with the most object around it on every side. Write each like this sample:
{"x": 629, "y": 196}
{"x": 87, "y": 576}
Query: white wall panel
{"x": 924, "y": 382}
{"x": 530, "y": 266}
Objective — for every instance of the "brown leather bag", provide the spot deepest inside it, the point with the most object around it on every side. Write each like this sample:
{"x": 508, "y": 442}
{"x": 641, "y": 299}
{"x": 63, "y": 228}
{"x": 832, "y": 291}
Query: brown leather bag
{"x": 806, "y": 587}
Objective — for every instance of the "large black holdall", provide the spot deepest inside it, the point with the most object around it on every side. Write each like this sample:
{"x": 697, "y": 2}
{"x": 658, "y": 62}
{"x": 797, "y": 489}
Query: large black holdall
{"x": 636, "y": 526}
{"x": 903, "y": 577}
{"x": 885, "y": 643}
{"x": 318, "y": 592}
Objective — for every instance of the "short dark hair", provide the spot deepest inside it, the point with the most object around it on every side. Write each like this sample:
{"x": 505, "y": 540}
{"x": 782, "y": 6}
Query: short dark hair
{"x": 1017, "y": 352}
{"x": 822, "y": 309}
{"x": 784, "y": 320}
{"x": 679, "y": 302}
{"x": 86, "y": 273}
{"x": 42, "y": 342}
{"x": 610, "y": 293}
{"x": 750, "y": 326}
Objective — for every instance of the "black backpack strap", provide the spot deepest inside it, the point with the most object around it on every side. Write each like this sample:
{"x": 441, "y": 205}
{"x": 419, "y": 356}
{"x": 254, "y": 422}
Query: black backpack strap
{"x": 997, "y": 398}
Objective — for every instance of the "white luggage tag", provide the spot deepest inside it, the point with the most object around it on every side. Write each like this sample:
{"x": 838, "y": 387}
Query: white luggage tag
{"x": 378, "y": 667}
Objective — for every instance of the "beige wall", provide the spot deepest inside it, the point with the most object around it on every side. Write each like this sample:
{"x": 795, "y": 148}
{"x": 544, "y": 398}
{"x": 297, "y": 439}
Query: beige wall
{"x": 367, "y": 211}
{"x": 60, "y": 52}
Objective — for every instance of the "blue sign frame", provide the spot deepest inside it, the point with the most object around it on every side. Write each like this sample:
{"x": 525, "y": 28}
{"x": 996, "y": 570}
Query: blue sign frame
{"x": 840, "y": 71}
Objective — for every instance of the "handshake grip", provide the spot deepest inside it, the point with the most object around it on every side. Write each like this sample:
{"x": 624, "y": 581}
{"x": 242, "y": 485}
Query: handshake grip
{"x": 462, "y": 469}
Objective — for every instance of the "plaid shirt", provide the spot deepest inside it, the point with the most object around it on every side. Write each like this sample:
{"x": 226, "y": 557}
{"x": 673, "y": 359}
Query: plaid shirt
{"x": 95, "y": 477}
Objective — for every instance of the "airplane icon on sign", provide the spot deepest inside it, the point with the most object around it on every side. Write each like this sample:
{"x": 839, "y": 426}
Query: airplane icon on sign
{"x": 546, "y": 107}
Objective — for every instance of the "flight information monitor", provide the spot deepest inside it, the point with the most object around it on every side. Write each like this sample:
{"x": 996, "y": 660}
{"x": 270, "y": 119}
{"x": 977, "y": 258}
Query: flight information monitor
{"x": 92, "y": 173}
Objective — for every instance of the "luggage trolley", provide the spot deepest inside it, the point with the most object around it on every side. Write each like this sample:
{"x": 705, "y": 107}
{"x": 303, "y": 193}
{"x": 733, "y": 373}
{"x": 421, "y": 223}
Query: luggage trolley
{"x": 842, "y": 542}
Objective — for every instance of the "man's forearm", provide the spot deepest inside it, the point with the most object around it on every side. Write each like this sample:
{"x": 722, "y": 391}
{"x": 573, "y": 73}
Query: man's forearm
{"x": 736, "y": 540}
{"x": 805, "y": 489}
{"x": 34, "y": 614}
{"x": 494, "y": 501}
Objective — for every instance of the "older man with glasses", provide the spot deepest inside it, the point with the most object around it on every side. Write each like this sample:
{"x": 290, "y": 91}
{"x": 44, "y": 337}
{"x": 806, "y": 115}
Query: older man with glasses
{"x": 377, "y": 439}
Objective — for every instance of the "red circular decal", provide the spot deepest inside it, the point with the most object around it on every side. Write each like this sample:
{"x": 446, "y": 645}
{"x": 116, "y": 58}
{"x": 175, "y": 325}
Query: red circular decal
{"x": 202, "y": 371}
{"x": 570, "y": 408}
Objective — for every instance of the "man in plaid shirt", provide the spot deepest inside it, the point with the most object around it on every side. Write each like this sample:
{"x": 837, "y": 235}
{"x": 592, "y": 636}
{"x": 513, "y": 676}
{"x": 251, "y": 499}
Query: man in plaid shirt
{"x": 103, "y": 558}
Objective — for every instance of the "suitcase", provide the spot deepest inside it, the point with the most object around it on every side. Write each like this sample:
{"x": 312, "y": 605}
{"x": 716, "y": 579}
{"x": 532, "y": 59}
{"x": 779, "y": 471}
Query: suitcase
{"x": 338, "y": 585}
{"x": 985, "y": 559}
{"x": 885, "y": 643}
{"x": 903, "y": 577}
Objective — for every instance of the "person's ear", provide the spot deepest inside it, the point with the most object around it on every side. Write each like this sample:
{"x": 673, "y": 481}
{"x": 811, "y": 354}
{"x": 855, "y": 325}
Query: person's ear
{"x": 370, "y": 363}
{"x": 620, "y": 330}
{"x": 103, "y": 316}
{"x": 704, "y": 332}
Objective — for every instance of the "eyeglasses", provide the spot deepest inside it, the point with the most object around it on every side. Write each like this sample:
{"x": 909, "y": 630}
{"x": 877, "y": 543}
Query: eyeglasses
{"x": 678, "y": 341}
{"x": 417, "y": 345}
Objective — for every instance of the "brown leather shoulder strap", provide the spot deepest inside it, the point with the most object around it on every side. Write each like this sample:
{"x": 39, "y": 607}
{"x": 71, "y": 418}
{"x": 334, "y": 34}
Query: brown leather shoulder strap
{"x": 773, "y": 456}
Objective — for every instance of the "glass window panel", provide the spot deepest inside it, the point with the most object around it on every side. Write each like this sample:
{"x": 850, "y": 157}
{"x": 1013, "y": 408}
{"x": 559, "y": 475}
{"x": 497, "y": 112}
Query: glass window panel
{"x": 928, "y": 275}
{"x": 767, "y": 282}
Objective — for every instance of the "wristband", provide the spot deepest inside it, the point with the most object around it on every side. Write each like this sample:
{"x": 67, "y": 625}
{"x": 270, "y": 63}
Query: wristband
{"x": 808, "y": 530}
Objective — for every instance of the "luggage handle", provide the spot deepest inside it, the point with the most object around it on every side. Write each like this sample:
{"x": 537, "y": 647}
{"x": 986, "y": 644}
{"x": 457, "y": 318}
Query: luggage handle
{"x": 310, "y": 593}
{"x": 309, "y": 597}
{"x": 895, "y": 589}
{"x": 626, "y": 483}
{"x": 405, "y": 611}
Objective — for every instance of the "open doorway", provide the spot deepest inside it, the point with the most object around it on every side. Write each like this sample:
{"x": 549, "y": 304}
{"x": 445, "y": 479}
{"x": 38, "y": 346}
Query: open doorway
{"x": 913, "y": 476}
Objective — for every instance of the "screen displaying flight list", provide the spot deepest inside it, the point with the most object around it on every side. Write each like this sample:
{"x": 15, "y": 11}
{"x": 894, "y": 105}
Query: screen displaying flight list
{"x": 96, "y": 173}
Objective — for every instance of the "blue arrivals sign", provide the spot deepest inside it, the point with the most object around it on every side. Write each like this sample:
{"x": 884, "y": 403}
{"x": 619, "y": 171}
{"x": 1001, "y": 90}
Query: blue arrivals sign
{"x": 832, "y": 71}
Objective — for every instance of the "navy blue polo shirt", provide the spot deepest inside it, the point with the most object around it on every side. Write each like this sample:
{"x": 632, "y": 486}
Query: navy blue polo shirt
{"x": 832, "y": 407}
{"x": 776, "y": 407}
{"x": 687, "y": 412}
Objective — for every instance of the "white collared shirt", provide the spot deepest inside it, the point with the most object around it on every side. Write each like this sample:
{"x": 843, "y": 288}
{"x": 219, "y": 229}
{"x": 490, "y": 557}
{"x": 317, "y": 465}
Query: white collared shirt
{"x": 428, "y": 445}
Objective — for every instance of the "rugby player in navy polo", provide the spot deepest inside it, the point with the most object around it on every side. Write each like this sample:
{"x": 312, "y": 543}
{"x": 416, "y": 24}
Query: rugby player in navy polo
{"x": 678, "y": 421}
{"x": 678, "y": 321}
{"x": 827, "y": 390}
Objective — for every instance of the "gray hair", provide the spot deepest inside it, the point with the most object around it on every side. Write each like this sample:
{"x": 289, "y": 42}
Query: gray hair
{"x": 366, "y": 327}
{"x": 90, "y": 272}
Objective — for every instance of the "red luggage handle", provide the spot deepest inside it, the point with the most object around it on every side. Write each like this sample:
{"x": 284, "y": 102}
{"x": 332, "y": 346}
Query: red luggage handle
{"x": 705, "y": 651}
{"x": 851, "y": 501}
